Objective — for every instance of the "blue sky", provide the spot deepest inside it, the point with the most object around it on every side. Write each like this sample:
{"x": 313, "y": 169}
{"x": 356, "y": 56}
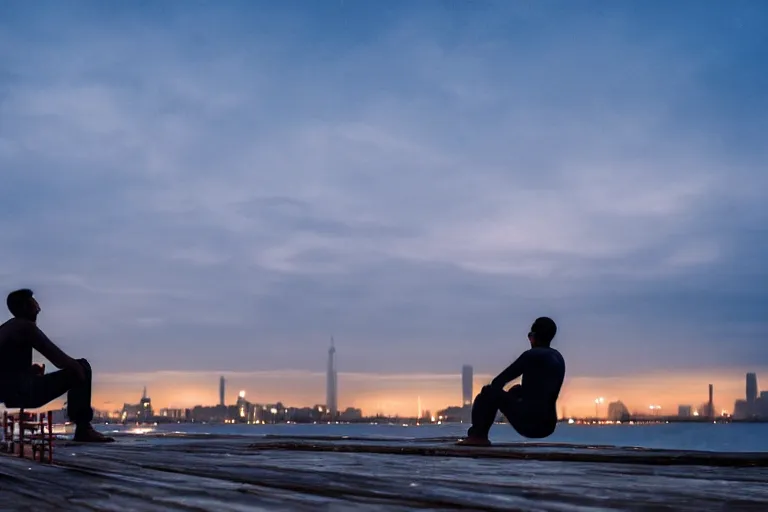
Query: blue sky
{"x": 197, "y": 186}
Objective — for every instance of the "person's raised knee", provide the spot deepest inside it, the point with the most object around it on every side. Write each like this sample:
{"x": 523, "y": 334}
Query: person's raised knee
{"x": 489, "y": 392}
{"x": 87, "y": 372}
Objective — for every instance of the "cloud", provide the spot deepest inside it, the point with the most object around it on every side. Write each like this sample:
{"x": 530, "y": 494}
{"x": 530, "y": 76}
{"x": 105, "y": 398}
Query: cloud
{"x": 188, "y": 192}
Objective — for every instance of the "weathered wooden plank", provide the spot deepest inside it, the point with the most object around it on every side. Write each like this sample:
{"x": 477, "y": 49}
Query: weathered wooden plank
{"x": 522, "y": 452}
{"x": 229, "y": 474}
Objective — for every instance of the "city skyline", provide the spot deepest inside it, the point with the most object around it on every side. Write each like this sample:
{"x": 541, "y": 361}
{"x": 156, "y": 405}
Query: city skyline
{"x": 399, "y": 393}
{"x": 203, "y": 187}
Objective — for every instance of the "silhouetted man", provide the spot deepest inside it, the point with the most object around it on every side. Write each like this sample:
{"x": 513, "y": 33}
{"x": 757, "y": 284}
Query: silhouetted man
{"x": 23, "y": 384}
{"x": 531, "y": 407}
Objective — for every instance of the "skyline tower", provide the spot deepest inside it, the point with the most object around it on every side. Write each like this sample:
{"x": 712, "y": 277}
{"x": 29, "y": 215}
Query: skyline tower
{"x": 222, "y": 389}
{"x": 467, "y": 395}
{"x": 711, "y": 404}
{"x": 467, "y": 374}
{"x": 751, "y": 393}
{"x": 331, "y": 389}
{"x": 145, "y": 406}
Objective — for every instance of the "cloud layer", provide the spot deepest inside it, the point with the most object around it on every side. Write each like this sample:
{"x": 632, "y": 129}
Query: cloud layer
{"x": 199, "y": 188}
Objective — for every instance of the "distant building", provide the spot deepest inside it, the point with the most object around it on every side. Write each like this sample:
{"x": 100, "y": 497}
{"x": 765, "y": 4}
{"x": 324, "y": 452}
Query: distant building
{"x": 145, "y": 407}
{"x": 466, "y": 385}
{"x": 684, "y": 411}
{"x": 243, "y": 407}
{"x": 222, "y": 389}
{"x": 751, "y": 394}
{"x": 207, "y": 414}
{"x": 331, "y": 389}
{"x": 172, "y": 414}
{"x": 617, "y": 411}
{"x": 451, "y": 414}
{"x": 762, "y": 405}
{"x": 130, "y": 412}
{"x": 710, "y": 409}
{"x": 141, "y": 412}
{"x": 467, "y": 395}
{"x": 351, "y": 414}
{"x": 741, "y": 410}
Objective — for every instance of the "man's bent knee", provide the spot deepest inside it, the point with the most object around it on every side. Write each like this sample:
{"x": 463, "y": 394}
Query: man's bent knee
{"x": 489, "y": 393}
{"x": 78, "y": 377}
{"x": 86, "y": 366}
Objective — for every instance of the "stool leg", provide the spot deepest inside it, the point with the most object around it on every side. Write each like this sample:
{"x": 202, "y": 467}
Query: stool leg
{"x": 11, "y": 441}
{"x": 42, "y": 436}
{"x": 50, "y": 437}
{"x": 21, "y": 432}
{"x": 6, "y": 438}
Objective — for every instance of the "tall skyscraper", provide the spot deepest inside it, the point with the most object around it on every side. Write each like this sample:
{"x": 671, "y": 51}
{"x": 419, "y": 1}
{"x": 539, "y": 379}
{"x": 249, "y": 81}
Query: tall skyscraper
{"x": 331, "y": 389}
{"x": 222, "y": 384}
{"x": 751, "y": 393}
{"x": 466, "y": 386}
{"x": 711, "y": 403}
{"x": 145, "y": 407}
{"x": 466, "y": 393}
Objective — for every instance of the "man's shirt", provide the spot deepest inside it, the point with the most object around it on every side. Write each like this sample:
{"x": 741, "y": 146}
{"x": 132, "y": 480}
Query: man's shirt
{"x": 18, "y": 337}
{"x": 543, "y": 372}
{"x": 16, "y": 346}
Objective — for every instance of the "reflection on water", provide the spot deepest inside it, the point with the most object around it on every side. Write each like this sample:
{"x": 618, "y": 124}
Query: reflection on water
{"x": 674, "y": 436}
{"x": 140, "y": 430}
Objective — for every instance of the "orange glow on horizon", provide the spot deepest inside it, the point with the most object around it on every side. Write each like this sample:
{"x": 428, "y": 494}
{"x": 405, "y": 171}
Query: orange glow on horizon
{"x": 399, "y": 394}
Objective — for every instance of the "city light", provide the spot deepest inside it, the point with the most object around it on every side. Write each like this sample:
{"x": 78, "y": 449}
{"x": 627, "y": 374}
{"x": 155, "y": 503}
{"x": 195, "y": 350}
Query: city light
{"x": 599, "y": 400}
{"x": 241, "y": 394}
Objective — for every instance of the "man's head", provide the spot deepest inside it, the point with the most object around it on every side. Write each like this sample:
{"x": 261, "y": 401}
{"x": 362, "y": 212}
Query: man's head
{"x": 542, "y": 332}
{"x": 22, "y": 304}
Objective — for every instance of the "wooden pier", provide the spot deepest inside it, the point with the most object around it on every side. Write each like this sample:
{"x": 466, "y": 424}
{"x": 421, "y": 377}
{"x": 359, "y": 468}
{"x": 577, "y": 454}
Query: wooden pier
{"x": 148, "y": 473}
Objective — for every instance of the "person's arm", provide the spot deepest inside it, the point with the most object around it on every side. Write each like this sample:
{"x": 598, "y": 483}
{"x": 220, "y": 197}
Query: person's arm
{"x": 511, "y": 372}
{"x": 49, "y": 350}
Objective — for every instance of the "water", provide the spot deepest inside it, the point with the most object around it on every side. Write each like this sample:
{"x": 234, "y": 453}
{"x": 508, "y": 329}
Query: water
{"x": 733, "y": 437}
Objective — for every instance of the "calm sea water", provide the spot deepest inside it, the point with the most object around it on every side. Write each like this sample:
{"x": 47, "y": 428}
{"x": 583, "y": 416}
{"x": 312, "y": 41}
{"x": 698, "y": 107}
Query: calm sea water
{"x": 675, "y": 436}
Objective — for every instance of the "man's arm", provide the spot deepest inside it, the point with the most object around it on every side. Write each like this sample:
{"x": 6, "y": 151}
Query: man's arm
{"x": 511, "y": 372}
{"x": 49, "y": 350}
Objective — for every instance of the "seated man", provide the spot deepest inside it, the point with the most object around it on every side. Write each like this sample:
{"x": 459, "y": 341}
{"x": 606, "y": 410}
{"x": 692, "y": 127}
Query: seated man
{"x": 23, "y": 385}
{"x": 530, "y": 407}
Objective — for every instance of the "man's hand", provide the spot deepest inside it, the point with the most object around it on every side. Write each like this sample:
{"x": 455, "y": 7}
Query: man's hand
{"x": 38, "y": 369}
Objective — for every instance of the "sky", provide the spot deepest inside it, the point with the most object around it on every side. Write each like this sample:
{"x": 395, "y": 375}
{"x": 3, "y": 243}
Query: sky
{"x": 195, "y": 189}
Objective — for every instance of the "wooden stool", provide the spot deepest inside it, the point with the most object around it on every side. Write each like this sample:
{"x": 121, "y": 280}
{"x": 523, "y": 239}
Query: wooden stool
{"x": 35, "y": 434}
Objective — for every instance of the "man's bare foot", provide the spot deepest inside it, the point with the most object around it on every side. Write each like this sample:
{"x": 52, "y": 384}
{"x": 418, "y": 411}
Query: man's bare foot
{"x": 474, "y": 441}
{"x": 90, "y": 435}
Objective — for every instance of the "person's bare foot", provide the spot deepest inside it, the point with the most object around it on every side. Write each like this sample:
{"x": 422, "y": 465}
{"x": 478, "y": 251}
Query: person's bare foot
{"x": 90, "y": 435}
{"x": 474, "y": 441}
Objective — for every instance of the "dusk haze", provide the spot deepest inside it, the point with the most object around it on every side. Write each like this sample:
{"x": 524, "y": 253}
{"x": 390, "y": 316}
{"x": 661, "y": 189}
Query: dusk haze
{"x": 197, "y": 190}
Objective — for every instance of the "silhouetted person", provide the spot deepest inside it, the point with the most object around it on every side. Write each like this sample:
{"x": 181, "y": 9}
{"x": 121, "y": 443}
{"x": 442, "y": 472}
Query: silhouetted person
{"x": 23, "y": 384}
{"x": 529, "y": 407}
